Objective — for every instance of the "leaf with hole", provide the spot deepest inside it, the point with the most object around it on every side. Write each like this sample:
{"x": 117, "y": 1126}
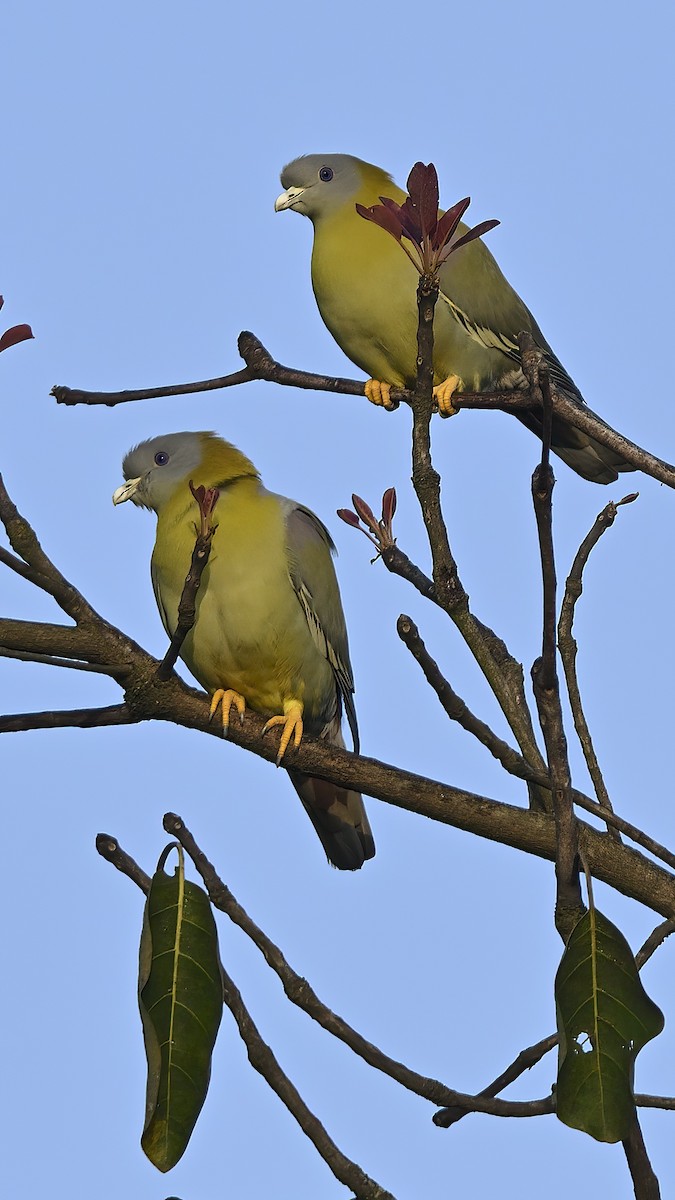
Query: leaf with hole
{"x": 605, "y": 1017}
{"x": 180, "y": 996}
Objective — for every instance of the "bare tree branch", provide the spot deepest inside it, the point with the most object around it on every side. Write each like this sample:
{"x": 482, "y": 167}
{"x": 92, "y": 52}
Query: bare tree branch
{"x": 261, "y": 365}
{"x": 656, "y": 938}
{"x": 80, "y": 718}
{"x": 51, "y": 660}
{"x": 523, "y": 1062}
{"x": 207, "y": 500}
{"x": 25, "y": 544}
{"x": 568, "y": 646}
{"x": 147, "y": 698}
{"x": 645, "y": 1183}
{"x": 665, "y": 1102}
{"x": 510, "y": 759}
{"x": 458, "y": 711}
{"x": 503, "y": 673}
{"x": 110, "y": 849}
{"x": 544, "y": 673}
{"x": 300, "y": 993}
{"x": 261, "y": 1056}
{"x": 263, "y": 1060}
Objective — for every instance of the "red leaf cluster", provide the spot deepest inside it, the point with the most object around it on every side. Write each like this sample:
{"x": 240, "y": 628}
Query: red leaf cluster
{"x": 381, "y": 532}
{"x": 433, "y": 238}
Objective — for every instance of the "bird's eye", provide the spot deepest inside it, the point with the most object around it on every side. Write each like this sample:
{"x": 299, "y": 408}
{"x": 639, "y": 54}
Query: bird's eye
{"x": 161, "y": 458}
{"x": 326, "y": 174}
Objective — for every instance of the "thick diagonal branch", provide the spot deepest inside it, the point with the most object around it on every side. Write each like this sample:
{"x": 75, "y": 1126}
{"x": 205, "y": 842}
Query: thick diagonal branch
{"x": 148, "y": 698}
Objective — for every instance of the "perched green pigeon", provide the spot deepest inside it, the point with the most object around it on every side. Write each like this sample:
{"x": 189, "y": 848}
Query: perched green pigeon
{"x": 365, "y": 288}
{"x": 269, "y": 629}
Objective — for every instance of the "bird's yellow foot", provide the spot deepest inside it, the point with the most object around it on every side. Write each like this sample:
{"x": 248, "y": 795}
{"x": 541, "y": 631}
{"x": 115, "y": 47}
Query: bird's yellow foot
{"x": 380, "y": 393}
{"x": 443, "y": 395}
{"x": 226, "y": 699}
{"x": 292, "y": 726}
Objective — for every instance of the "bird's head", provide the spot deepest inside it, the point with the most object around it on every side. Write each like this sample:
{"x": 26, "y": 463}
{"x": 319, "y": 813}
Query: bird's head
{"x": 155, "y": 469}
{"x": 319, "y": 185}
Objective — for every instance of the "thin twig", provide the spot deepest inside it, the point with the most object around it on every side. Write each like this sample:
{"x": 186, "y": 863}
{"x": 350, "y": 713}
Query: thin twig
{"x": 458, "y": 710}
{"x": 510, "y": 759}
{"x": 301, "y": 994}
{"x": 20, "y": 568}
{"x": 568, "y": 646}
{"x": 645, "y": 1183}
{"x": 52, "y": 660}
{"x": 523, "y": 1062}
{"x": 544, "y": 672}
{"x": 259, "y": 365}
{"x": 622, "y": 826}
{"x": 667, "y": 1103}
{"x": 79, "y": 718}
{"x": 110, "y": 849}
{"x": 263, "y": 1060}
{"x": 206, "y": 498}
{"x": 44, "y": 574}
{"x": 656, "y": 938}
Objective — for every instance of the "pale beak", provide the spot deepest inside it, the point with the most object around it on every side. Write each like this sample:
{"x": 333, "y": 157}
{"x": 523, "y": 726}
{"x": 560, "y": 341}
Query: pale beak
{"x": 289, "y": 198}
{"x": 126, "y": 491}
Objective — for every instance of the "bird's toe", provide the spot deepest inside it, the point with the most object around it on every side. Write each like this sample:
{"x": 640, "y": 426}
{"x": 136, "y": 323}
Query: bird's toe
{"x": 443, "y": 394}
{"x": 380, "y": 393}
{"x": 227, "y": 698}
{"x": 291, "y": 720}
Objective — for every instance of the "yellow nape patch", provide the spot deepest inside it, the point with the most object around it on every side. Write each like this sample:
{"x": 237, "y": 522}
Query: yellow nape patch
{"x": 221, "y": 462}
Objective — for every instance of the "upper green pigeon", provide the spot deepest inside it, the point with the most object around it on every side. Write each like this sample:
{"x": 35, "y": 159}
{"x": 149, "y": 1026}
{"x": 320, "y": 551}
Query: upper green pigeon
{"x": 365, "y": 288}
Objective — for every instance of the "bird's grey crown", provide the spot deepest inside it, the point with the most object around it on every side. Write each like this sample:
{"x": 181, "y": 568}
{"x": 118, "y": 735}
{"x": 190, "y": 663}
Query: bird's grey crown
{"x": 185, "y": 451}
{"x": 322, "y": 197}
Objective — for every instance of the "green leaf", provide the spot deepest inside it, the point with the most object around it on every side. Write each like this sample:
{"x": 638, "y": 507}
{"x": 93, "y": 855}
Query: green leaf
{"x": 180, "y": 996}
{"x": 605, "y": 1017}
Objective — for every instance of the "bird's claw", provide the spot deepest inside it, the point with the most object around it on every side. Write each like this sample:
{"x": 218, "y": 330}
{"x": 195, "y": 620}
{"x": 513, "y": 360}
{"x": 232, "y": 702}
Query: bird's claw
{"x": 226, "y": 699}
{"x": 443, "y": 394}
{"x": 291, "y": 719}
{"x": 380, "y": 393}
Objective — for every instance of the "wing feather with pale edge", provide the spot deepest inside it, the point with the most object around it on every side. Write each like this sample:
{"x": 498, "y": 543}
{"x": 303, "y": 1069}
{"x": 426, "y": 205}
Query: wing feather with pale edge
{"x": 313, "y": 578}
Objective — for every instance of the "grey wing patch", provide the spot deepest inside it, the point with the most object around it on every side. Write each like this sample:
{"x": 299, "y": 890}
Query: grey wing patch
{"x": 491, "y": 339}
{"x": 313, "y": 578}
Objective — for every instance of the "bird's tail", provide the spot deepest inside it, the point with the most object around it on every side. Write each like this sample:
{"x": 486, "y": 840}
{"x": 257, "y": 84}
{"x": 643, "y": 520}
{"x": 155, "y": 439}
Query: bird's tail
{"x": 585, "y": 455}
{"x": 338, "y": 815}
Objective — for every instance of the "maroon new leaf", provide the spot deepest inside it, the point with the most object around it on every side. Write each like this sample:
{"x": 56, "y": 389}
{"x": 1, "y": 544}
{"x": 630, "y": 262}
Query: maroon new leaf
{"x": 423, "y": 192}
{"x": 350, "y": 518}
{"x": 11, "y": 337}
{"x": 449, "y": 222}
{"x": 206, "y": 498}
{"x": 389, "y": 506}
{"x": 381, "y": 216}
{"x": 365, "y": 512}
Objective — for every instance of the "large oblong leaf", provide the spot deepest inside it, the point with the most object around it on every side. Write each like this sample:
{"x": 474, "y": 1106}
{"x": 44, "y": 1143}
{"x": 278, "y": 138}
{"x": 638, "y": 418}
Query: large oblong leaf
{"x": 605, "y": 1017}
{"x": 180, "y": 996}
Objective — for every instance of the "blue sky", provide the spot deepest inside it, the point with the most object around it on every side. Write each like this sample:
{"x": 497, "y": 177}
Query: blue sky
{"x": 141, "y": 153}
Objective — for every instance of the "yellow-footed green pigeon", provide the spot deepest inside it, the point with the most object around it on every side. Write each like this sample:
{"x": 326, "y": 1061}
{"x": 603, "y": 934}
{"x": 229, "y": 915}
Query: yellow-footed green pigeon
{"x": 269, "y": 630}
{"x": 365, "y": 287}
